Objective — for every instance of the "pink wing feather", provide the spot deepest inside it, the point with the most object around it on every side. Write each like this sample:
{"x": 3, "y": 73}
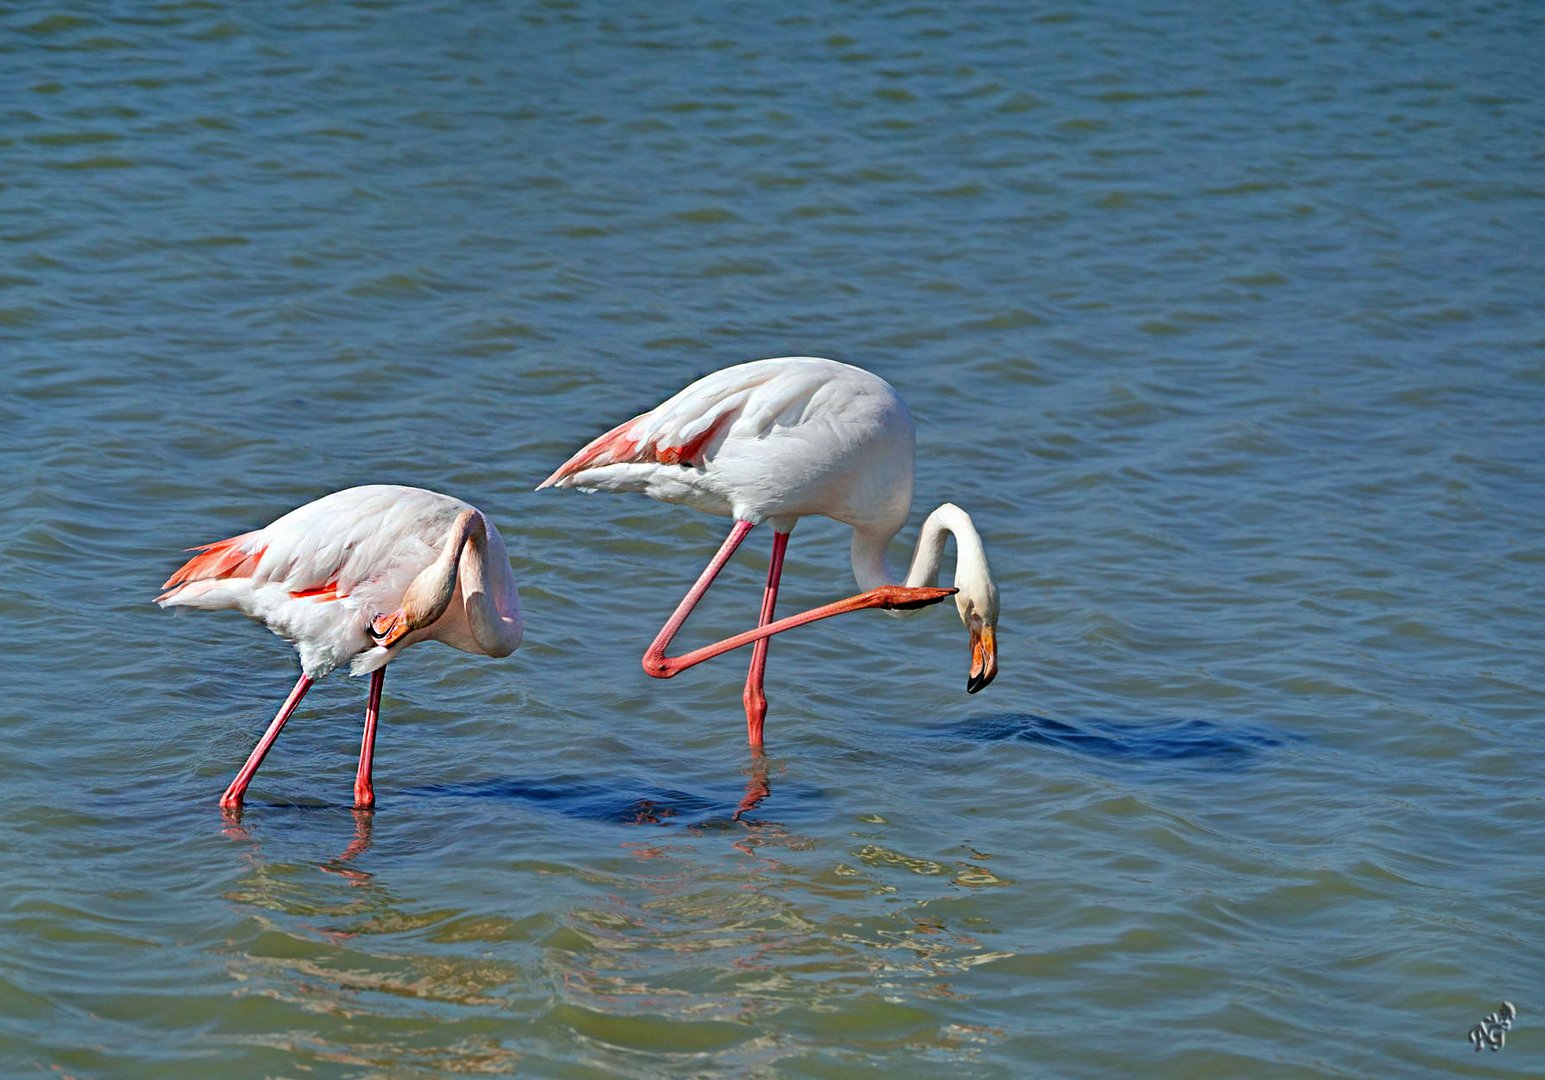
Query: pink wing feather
{"x": 326, "y": 549}
{"x": 234, "y": 557}
{"x": 683, "y": 429}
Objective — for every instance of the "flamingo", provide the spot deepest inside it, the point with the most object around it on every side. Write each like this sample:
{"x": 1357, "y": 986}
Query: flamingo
{"x": 357, "y": 576}
{"x": 773, "y": 441}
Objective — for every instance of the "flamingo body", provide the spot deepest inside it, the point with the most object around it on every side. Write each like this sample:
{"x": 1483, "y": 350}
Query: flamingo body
{"x": 356, "y": 577}
{"x": 780, "y": 439}
{"x": 771, "y": 440}
{"x": 320, "y": 573}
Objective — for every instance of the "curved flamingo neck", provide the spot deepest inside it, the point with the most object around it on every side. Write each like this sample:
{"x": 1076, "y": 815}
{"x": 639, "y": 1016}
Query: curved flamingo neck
{"x": 488, "y": 593}
{"x": 872, "y": 570}
{"x": 493, "y": 621}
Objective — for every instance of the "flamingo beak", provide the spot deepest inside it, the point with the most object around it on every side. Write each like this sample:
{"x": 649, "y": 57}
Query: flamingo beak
{"x": 984, "y": 657}
{"x": 388, "y": 629}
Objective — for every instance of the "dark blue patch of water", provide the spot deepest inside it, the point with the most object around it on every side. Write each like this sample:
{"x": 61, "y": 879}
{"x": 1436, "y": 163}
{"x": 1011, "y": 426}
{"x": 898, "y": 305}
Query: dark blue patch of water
{"x": 1155, "y": 741}
{"x": 629, "y": 803}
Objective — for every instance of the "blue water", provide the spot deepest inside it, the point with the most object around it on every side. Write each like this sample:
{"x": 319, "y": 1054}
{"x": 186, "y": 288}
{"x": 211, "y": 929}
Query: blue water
{"x": 1225, "y": 326}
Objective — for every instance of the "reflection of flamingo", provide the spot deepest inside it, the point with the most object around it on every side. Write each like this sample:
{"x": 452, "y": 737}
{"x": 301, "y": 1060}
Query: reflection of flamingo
{"x": 358, "y": 576}
{"x": 363, "y": 820}
{"x": 775, "y": 440}
{"x": 758, "y": 787}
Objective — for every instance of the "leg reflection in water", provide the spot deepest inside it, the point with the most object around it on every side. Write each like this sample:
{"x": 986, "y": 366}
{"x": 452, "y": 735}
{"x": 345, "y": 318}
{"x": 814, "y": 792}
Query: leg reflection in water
{"x": 363, "y": 820}
{"x": 757, "y": 785}
{"x": 233, "y": 829}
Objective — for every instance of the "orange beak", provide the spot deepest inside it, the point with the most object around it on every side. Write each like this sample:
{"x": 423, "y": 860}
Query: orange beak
{"x": 984, "y": 658}
{"x": 389, "y": 629}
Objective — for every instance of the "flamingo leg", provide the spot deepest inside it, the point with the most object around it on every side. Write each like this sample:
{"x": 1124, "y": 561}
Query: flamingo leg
{"x": 657, "y": 664}
{"x": 231, "y": 800}
{"x": 755, "y": 697}
{"x": 364, "y": 792}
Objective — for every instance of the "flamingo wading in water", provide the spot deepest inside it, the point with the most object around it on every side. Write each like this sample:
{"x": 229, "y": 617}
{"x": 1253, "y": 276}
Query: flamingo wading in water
{"x": 357, "y": 576}
{"x": 773, "y": 441}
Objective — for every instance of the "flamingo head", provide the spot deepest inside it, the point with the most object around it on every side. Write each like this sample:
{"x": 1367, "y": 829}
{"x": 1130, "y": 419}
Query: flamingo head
{"x": 388, "y": 628}
{"x": 422, "y": 604}
{"x": 429, "y": 594}
{"x": 977, "y": 602}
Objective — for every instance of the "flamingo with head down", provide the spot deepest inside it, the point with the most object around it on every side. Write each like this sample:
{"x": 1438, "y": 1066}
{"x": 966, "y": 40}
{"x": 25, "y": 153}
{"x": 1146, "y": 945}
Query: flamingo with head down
{"x": 356, "y": 577}
{"x": 776, "y": 440}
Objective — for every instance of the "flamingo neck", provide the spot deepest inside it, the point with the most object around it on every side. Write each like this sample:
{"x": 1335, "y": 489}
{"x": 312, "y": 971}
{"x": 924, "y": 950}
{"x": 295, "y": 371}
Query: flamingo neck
{"x": 427, "y": 598}
{"x": 872, "y": 570}
{"x": 491, "y": 603}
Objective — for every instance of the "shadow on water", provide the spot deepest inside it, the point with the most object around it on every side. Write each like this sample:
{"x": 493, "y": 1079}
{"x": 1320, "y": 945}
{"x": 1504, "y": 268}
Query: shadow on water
{"x": 624, "y": 802}
{"x": 1199, "y": 742}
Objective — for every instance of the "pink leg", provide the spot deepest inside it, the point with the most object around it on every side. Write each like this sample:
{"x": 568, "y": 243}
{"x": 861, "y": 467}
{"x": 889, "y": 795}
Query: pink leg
{"x": 755, "y": 697}
{"x": 364, "y": 792}
{"x": 657, "y": 664}
{"x": 231, "y": 800}
{"x": 886, "y": 597}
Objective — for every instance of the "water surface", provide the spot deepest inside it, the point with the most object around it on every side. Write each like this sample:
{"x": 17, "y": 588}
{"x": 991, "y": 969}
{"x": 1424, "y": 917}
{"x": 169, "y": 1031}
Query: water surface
{"x": 1225, "y": 328}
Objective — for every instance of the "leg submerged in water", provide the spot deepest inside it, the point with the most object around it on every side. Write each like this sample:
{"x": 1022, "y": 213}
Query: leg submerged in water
{"x": 364, "y": 790}
{"x": 755, "y": 696}
{"x": 234, "y": 794}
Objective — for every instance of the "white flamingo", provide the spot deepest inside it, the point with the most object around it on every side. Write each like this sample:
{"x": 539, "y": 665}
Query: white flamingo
{"x": 357, "y": 576}
{"x": 775, "y": 440}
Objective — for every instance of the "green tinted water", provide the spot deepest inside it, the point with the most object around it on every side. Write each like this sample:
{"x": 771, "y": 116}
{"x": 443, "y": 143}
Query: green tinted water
{"x": 1225, "y": 328}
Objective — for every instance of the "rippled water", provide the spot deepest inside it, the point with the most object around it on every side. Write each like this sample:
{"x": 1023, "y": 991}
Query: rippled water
{"x": 1225, "y": 327}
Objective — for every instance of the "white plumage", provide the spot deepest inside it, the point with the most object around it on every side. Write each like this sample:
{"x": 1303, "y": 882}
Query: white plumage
{"x": 325, "y": 569}
{"x": 768, "y": 441}
{"x": 776, "y": 440}
{"x": 357, "y": 576}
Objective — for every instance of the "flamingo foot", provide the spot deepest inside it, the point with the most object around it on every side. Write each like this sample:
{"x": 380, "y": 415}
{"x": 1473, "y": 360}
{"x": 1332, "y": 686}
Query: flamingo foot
{"x": 901, "y": 598}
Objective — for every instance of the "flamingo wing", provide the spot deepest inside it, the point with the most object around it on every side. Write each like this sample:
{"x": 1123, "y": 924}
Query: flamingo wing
{"x": 747, "y": 401}
{"x": 319, "y": 573}
{"x": 233, "y": 557}
{"x": 325, "y": 550}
